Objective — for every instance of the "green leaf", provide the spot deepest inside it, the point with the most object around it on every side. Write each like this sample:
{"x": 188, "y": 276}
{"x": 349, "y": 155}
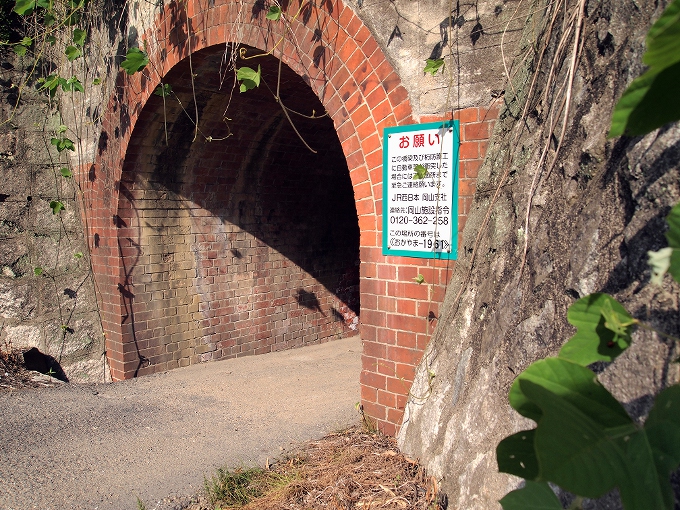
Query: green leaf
{"x": 601, "y": 334}
{"x": 651, "y": 100}
{"x": 659, "y": 262}
{"x": 56, "y": 206}
{"x": 673, "y": 237}
{"x": 20, "y": 50}
{"x": 72, "y": 84}
{"x": 50, "y": 83}
{"x": 663, "y": 38}
{"x": 51, "y": 39}
{"x": 572, "y": 383}
{"x": 419, "y": 279}
{"x": 135, "y": 61}
{"x": 38, "y": 271}
{"x": 663, "y": 432}
{"x": 24, "y": 7}
{"x": 97, "y": 81}
{"x": 274, "y": 13}
{"x": 65, "y": 172}
{"x": 248, "y": 77}
{"x": 648, "y": 103}
{"x": 62, "y": 129}
{"x": 26, "y": 41}
{"x": 48, "y": 21}
{"x": 63, "y": 144}
{"x": 433, "y": 65}
{"x": 72, "y": 53}
{"x": 78, "y": 255}
{"x": 578, "y": 452}
{"x": 163, "y": 90}
{"x": 615, "y": 321}
{"x": 420, "y": 172}
{"x": 515, "y": 455}
{"x": 533, "y": 496}
{"x": 79, "y": 37}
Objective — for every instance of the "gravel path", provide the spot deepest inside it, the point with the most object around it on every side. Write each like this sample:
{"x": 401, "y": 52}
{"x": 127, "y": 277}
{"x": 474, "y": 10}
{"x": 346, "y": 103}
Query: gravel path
{"x": 102, "y": 446}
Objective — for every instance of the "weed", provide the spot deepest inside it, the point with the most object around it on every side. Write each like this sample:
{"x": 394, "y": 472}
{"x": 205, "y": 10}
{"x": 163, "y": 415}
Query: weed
{"x": 235, "y": 488}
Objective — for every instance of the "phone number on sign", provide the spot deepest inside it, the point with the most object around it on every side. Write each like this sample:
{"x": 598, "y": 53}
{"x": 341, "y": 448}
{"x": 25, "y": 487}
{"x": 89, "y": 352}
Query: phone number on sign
{"x": 419, "y": 220}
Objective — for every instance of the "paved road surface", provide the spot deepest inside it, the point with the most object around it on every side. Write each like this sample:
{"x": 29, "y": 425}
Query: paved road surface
{"x": 101, "y": 446}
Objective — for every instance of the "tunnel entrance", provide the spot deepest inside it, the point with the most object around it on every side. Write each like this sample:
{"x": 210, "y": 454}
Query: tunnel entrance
{"x": 235, "y": 237}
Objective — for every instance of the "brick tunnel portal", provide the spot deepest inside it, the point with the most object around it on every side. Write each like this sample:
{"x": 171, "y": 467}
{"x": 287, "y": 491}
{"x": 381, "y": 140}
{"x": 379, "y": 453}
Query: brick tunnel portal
{"x": 235, "y": 237}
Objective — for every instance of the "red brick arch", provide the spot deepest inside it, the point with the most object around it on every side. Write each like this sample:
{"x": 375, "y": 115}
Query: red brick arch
{"x": 340, "y": 60}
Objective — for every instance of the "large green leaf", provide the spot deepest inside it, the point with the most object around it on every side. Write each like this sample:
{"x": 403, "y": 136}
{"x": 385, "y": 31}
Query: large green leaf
{"x": 135, "y": 61}
{"x": 24, "y": 7}
{"x": 651, "y": 100}
{"x": 648, "y": 103}
{"x": 274, "y": 13}
{"x": 249, "y": 78}
{"x": 515, "y": 455}
{"x": 433, "y": 65}
{"x": 572, "y": 383}
{"x": 573, "y": 448}
{"x": 604, "y": 330}
{"x": 673, "y": 236}
{"x": 663, "y": 430}
{"x": 663, "y": 38}
{"x": 533, "y": 496}
{"x": 79, "y": 36}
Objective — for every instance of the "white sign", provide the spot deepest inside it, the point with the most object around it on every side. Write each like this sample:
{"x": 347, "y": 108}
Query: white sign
{"x": 420, "y": 190}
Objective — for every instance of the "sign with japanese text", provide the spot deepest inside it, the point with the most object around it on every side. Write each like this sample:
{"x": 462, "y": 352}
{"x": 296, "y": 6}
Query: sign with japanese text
{"x": 420, "y": 190}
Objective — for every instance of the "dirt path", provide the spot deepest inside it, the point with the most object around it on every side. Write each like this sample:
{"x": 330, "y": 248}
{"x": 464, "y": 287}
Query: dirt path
{"x": 101, "y": 446}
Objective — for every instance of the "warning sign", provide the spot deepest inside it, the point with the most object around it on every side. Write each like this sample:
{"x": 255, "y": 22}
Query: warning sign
{"x": 420, "y": 190}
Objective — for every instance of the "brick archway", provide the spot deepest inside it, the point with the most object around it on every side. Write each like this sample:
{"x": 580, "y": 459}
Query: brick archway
{"x": 338, "y": 58}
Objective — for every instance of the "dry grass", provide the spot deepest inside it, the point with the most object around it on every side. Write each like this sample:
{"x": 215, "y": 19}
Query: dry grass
{"x": 354, "y": 469}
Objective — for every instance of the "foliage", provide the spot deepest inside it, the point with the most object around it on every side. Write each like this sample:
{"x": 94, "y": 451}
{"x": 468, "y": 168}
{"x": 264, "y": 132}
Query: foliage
{"x": 56, "y": 206}
{"x": 274, "y": 13}
{"x": 238, "y": 487}
{"x": 433, "y": 65}
{"x": 420, "y": 172}
{"x": 584, "y": 441}
{"x": 163, "y": 90}
{"x": 639, "y": 110}
{"x": 668, "y": 259}
{"x": 135, "y": 61}
{"x": 248, "y": 77}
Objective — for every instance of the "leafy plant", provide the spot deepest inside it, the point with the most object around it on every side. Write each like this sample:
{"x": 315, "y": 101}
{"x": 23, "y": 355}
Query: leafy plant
{"x": 433, "y": 65}
{"x": 584, "y": 441}
{"x": 274, "y": 13}
{"x": 668, "y": 259}
{"x": 63, "y": 144}
{"x": 163, "y": 90}
{"x": 135, "y": 61}
{"x": 420, "y": 172}
{"x": 56, "y": 206}
{"x": 640, "y": 109}
{"x": 248, "y": 77}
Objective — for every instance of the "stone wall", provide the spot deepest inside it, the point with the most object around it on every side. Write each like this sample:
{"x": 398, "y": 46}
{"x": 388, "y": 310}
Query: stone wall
{"x": 593, "y": 219}
{"x": 55, "y": 311}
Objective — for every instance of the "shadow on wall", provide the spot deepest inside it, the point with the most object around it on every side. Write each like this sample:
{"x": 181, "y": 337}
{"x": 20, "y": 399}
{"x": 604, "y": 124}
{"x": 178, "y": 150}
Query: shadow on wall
{"x": 236, "y": 206}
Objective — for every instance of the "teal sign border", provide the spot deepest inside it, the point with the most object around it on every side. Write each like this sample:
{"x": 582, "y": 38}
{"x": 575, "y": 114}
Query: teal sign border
{"x": 455, "y": 142}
